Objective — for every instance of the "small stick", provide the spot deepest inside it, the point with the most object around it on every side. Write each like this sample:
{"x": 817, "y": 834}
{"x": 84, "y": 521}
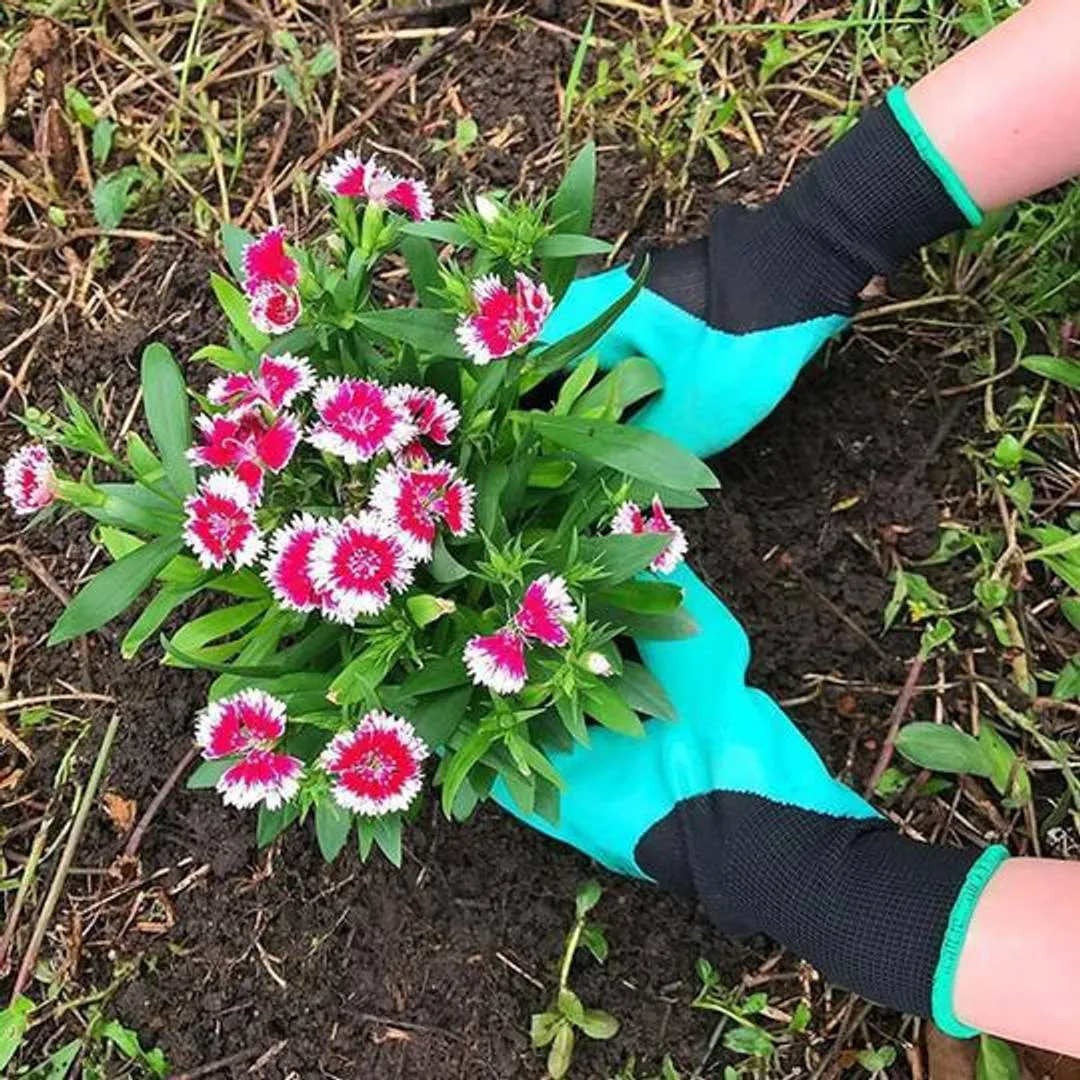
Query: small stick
{"x": 26, "y": 969}
{"x": 25, "y": 883}
{"x": 268, "y": 169}
{"x": 900, "y": 709}
{"x": 132, "y": 846}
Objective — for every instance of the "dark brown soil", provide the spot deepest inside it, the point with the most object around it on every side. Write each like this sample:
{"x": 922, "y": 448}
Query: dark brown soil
{"x": 432, "y": 971}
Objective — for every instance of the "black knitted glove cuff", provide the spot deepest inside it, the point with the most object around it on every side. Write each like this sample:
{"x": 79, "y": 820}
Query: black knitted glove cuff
{"x": 866, "y": 906}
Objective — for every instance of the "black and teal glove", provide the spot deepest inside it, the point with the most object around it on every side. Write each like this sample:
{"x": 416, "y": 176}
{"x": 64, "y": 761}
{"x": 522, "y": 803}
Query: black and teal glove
{"x": 731, "y": 319}
{"x": 731, "y": 806}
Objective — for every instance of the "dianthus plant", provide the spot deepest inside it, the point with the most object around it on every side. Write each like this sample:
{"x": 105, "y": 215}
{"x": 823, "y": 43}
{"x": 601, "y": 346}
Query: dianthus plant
{"x": 414, "y": 527}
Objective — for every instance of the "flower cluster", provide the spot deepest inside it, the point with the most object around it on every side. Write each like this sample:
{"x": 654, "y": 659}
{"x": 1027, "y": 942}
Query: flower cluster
{"x": 271, "y": 280}
{"x": 353, "y": 178}
{"x": 498, "y": 660}
{"x": 375, "y": 769}
{"x": 410, "y": 552}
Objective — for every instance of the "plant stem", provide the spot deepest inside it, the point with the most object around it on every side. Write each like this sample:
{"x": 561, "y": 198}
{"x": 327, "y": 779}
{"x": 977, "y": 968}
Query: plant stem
{"x": 572, "y": 940}
{"x": 26, "y": 969}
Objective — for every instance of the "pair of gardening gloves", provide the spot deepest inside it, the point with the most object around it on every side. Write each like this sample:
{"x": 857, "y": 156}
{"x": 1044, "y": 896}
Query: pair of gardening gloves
{"x": 729, "y": 804}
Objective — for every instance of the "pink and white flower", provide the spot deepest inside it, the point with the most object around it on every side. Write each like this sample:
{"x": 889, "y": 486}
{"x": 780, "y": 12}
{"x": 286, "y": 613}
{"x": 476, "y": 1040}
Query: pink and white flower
{"x": 288, "y": 566}
{"x": 377, "y": 767}
{"x": 279, "y": 381}
{"x": 505, "y": 318}
{"x": 414, "y": 455}
{"x": 266, "y": 262}
{"x": 360, "y": 560}
{"x": 416, "y": 500}
{"x": 546, "y": 610}
{"x": 249, "y": 726}
{"x": 243, "y": 441}
{"x": 29, "y": 480}
{"x": 274, "y": 309}
{"x": 358, "y": 419}
{"x": 352, "y": 177}
{"x": 630, "y": 519}
{"x": 220, "y": 524}
{"x": 497, "y": 660}
{"x": 432, "y": 414}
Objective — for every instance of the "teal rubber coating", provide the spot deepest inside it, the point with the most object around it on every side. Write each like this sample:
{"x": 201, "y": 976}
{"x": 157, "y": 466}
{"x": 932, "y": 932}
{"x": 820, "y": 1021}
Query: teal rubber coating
{"x": 897, "y": 101}
{"x": 727, "y": 736}
{"x": 944, "y": 985}
{"x": 717, "y": 386}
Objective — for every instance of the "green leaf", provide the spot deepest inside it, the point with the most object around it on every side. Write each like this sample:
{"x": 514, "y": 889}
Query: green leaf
{"x": 217, "y": 624}
{"x": 996, "y": 1060}
{"x": 749, "y": 1040}
{"x": 233, "y": 241}
{"x": 223, "y": 358}
{"x": 443, "y": 232}
{"x": 943, "y": 749}
{"x": 557, "y": 355}
{"x": 272, "y": 823}
{"x": 167, "y": 600}
{"x": 102, "y": 139}
{"x": 1007, "y": 772}
{"x": 570, "y": 246}
{"x": 1058, "y": 368}
{"x": 14, "y": 1020}
{"x": 621, "y": 556}
{"x": 113, "y": 196}
{"x": 588, "y": 896}
{"x": 423, "y": 329}
{"x": 1070, "y": 608}
{"x": 642, "y": 692}
{"x": 574, "y": 386}
{"x": 877, "y": 1060}
{"x": 132, "y": 506}
{"x": 569, "y": 1004}
{"x": 57, "y": 1065}
{"x": 443, "y": 673}
{"x": 542, "y": 1028}
{"x": 423, "y": 264}
{"x": 444, "y": 567}
{"x": 677, "y": 626}
{"x": 387, "y": 832}
{"x": 562, "y": 1051}
{"x": 645, "y": 597}
{"x": 593, "y": 939}
{"x": 598, "y": 1024}
{"x": 460, "y": 764}
{"x": 604, "y": 705}
{"x": 110, "y": 592}
{"x": 633, "y": 451}
{"x": 79, "y": 106}
{"x": 1067, "y": 685}
{"x": 235, "y": 306}
{"x": 437, "y": 716}
{"x": 572, "y": 211}
{"x": 550, "y": 474}
{"x": 332, "y": 825}
{"x": 207, "y": 773}
{"x": 165, "y": 402}
{"x": 324, "y": 61}
{"x": 630, "y": 381}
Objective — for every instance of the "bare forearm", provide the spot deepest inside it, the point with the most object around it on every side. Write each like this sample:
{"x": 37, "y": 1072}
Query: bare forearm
{"x": 1003, "y": 111}
{"x": 1017, "y": 971}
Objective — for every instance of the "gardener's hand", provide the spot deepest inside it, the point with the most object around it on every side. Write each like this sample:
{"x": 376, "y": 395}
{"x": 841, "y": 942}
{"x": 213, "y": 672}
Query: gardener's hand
{"x": 729, "y": 804}
{"x": 731, "y": 319}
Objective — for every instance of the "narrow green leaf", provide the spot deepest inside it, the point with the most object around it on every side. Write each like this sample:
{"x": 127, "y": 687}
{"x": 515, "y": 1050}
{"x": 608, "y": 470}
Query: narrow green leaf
{"x": 621, "y": 556}
{"x": 574, "y": 386}
{"x": 588, "y": 896}
{"x": 572, "y": 211}
{"x": 207, "y": 773}
{"x": 387, "y": 831}
{"x": 443, "y": 232}
{"x": 165, "y": 402}
{"x": 132, "y": 506}
{"x": 633, "y": 451}
{"x": 233, "y": 241}
{"x": 640, "y": 689}
{"x": 111, "y": 591}
{"x": 423, "y": 329}
{"x": 996, "y": 1061}
{"x": 223, "y": 358}
{"x": 1058, "y": 368}
{"x": 943, "y": 749}
{"x": 606, "y": 707}
{"x": 14, "y": 1020}
{"x": 436, "y": 716}
{"x": 214, "y": 625}
{"x": 332, "y": 826}
{"x": 235, "y": 306}
{"x": 423, "y": 264}
{"x": 562, "y": 1052}
{"x": 645, "y": 597}
{"x": 630, "y": 381}
{"x": 676, "y": 626}
{"x": 570, "y": 246}
{"x": 272, "y": 823}
{"x": 461, "y": 762}
{"x": 114, "y": 195}
{"x": 167, "y": 600}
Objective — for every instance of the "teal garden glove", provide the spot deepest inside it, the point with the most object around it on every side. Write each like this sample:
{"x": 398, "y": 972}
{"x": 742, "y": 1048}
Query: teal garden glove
{"x": 731, "y": 319}
{"x": 731, "y": 806}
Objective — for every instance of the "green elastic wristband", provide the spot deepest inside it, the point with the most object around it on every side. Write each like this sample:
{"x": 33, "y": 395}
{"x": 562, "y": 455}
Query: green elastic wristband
{"x": 941, "y": 993}
{"x": 897, "y": 101}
